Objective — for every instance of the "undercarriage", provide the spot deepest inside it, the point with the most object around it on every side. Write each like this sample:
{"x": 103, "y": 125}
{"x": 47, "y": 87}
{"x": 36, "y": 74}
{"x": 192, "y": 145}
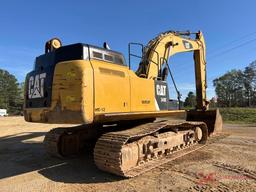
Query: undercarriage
{"x": 128, "y": 152}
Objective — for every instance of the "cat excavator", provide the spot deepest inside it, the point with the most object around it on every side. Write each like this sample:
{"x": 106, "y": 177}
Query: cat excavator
{"x": 126, "y": 113}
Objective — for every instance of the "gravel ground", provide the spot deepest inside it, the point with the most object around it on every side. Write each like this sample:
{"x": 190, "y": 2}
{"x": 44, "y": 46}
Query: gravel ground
{"x": 227, "y": 163}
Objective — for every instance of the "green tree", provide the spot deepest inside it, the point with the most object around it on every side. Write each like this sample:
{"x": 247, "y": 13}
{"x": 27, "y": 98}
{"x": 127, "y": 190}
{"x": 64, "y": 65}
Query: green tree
{"x": 10, "y": 93}
{"x": 229, "y": 88}
{"x": 237, "y": 88}
{"x": 249, "y": 83}
{"x": 190, "y": 100}
{"x": 213, "y": 102}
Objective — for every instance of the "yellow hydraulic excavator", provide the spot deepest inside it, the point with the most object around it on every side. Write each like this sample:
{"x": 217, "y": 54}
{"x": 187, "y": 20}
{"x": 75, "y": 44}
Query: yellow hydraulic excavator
{"x": 117, "y": 107}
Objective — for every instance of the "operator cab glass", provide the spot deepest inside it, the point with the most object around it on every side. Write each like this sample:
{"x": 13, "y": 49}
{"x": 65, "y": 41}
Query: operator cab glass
{"x": 106, "y": 55}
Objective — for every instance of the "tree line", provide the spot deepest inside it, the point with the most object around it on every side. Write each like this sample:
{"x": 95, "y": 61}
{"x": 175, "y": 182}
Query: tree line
{"x": 237, "y": 88}
{"x": 11, "y": 93}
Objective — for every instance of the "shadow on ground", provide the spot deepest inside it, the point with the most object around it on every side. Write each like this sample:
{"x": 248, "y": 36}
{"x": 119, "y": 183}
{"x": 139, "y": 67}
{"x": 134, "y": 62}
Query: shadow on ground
{"x": 20, "y": 154}
{"x": 79, "y": 170}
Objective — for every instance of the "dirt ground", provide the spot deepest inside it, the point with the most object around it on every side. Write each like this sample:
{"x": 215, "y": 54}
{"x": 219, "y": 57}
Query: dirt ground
{"x": 227, "y": 163}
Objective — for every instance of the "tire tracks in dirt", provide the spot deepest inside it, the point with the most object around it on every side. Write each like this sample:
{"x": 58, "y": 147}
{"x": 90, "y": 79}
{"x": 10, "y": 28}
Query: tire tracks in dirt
{"x": 237, "y": 169}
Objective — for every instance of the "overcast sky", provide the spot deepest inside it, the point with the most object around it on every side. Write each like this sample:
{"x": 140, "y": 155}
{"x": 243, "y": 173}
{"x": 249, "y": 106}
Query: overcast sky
{"x": 229, "y": 29}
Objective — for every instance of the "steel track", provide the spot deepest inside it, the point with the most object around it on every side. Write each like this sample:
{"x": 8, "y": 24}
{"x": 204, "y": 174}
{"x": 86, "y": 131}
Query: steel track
{"x": 108, "y": 156}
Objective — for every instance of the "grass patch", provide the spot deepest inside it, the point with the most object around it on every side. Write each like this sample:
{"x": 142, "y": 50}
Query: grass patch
{"x": 238, "y": 115}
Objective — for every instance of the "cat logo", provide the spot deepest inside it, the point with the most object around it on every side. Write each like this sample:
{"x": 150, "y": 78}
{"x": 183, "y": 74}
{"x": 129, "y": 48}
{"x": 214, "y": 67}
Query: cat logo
{"x": 36, "y": 86}
{"x": 161, "y": 90}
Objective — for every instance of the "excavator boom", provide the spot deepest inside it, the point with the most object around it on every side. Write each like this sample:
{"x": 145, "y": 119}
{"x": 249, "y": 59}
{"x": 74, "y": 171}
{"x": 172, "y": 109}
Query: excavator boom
{"x": 158, "y": 51}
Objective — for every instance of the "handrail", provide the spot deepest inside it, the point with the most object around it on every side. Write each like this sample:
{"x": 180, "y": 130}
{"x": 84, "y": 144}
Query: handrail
{"x": 142, "y": 49}
{"x": 129, "y": 51}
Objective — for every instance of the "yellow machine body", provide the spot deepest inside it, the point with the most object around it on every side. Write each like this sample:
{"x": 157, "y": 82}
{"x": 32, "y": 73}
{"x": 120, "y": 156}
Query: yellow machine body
{"x": 96, "y": 86}
{"x": 84, "y": 92}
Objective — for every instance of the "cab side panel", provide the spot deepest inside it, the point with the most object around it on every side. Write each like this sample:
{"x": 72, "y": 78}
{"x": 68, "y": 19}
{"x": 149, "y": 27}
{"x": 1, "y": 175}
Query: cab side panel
{"x": 112, "y": 87}
{"x": 142, "y": 94}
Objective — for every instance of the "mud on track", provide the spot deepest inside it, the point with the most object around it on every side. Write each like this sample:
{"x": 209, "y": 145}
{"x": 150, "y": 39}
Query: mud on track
{"x": 227, "y": 163}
